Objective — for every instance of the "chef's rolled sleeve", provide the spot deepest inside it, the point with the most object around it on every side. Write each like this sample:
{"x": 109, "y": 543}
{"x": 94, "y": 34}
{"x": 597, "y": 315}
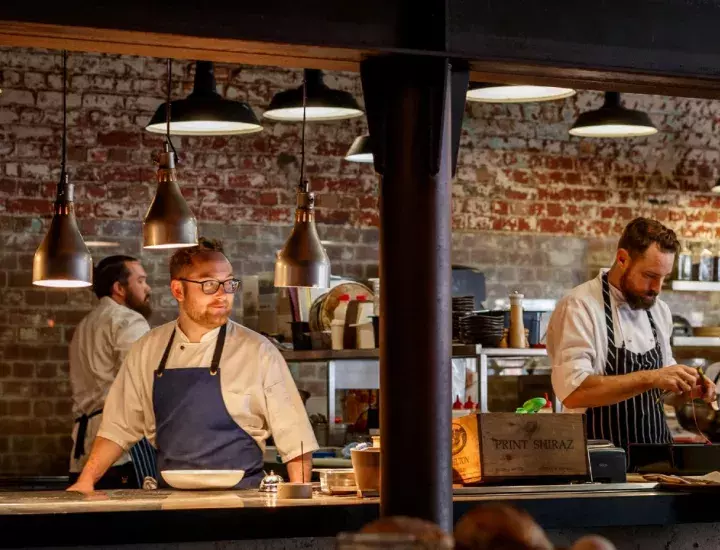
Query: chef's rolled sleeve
{"x": 570, "y": 344}
{"x": 123, "y": 419}
{"x": 286, "y": 415}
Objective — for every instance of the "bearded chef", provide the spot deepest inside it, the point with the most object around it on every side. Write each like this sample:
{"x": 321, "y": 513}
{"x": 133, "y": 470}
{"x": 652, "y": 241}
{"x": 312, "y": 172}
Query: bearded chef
{"x": 97, "y": 349}
{"x": 609, "y": 343}
{"x": 206, "y": 391}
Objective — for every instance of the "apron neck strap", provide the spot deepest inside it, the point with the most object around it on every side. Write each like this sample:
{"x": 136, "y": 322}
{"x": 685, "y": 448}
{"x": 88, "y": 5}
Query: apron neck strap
{"x": 217, "y": 354}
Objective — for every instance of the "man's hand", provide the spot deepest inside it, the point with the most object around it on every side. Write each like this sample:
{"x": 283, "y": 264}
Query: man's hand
{"x": 85, "y": 486}
{"x": 705, "y": 390}
{"x": 676, "y": 379}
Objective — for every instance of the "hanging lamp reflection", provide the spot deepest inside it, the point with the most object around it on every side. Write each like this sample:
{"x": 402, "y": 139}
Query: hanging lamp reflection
{"x": 169, "y": 222}
{"x": 360, "y": 150}
{"x": 303, "y": 262}
{"x": 516, "y": 93}
{"x": 62, "y": 260}
{"x": 313, "y": 101}
{"x": 612, "y": 120}
{"x": 205, "y": 112}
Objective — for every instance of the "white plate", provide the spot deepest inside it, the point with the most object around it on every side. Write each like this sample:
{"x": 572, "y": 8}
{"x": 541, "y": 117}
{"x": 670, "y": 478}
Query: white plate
{"x": 202, "y": 479}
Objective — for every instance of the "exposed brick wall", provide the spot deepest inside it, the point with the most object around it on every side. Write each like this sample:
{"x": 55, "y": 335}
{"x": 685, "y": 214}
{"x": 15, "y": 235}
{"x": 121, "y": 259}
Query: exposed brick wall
{"x": 534, "y": 208}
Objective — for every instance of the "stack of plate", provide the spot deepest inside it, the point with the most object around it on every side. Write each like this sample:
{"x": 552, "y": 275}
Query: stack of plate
{"x": 482, "y": 328}
{"x": 461, "y": 305}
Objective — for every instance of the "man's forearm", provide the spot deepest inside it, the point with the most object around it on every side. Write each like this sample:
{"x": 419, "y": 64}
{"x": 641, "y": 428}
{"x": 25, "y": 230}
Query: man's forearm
{"x": 598, "y": 391}
{"x": 104, "y": 453}
{"x": 295, "y": 468}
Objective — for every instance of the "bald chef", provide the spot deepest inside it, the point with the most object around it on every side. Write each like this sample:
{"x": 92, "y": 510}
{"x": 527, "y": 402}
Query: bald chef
{"x": 609, "y": 343}
{"x": 206, "y": 391}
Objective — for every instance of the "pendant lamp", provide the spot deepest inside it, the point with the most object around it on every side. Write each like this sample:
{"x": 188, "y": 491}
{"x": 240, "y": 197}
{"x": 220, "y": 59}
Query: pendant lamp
{"x": 360, "y": 150}
{"x": 169, "y": 223}
{"x": 303, "y": 261}
{"x": 512, "y": 93}
{"x": 321, "y": 102}
{"x": 62, "y": 260}
{"x": 612, "y": 120}
{"x": 205, "y": 112}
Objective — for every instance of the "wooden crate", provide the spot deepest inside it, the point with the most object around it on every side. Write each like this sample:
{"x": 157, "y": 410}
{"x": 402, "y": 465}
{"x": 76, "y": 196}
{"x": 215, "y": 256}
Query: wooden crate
{"x": 492, "y": 447}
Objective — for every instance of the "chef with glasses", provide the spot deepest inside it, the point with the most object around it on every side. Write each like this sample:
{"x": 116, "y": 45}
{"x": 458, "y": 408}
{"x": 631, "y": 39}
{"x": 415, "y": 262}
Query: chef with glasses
{"x": 205, "y": 391}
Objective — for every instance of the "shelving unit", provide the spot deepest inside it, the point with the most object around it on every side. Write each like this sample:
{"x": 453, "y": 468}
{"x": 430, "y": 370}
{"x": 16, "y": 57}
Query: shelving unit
{"x": 360, "y": 369}
{"x": 695, "y": 286}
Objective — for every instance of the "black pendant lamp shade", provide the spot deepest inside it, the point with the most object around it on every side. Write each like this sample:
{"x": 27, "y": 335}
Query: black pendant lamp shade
{"x": 62, "y": 260}
{"x": 360, "y": 150}
{"x": 205, "y": 112}
{"x": 515, "y": 93}
{"x": 303, "y": 262}
{"x": 323, "y": 103}
{"x": 612, "y": 120}
{"x": 169, "y": 222}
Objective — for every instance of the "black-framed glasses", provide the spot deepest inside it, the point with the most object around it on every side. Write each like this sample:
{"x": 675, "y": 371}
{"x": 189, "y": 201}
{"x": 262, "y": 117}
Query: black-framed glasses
{"x": 211, "y": 286}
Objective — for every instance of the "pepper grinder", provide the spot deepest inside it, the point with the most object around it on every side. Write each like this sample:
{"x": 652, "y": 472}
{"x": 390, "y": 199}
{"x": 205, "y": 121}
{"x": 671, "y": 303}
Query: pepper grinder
{"x": 517, "y": 327}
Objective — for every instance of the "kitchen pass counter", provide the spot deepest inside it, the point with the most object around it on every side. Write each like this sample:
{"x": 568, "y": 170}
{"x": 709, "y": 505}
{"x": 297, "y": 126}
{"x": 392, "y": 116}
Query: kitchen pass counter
{"x": 34, "y": 519}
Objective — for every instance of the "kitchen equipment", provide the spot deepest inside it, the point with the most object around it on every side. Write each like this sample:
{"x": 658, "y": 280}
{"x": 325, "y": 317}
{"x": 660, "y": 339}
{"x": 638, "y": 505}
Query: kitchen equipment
{"x": 681, "y": 326}
{"x": 607, "y": 462}
{"x": 337, "y": 481}
{"x": 481, "y": 327}
{"x": 366, "y": 465}
{"x": 461, "y": 306}
{"x": 202, "y": 479}
{"x": 331, "y": 300}
{"x": 301, "y": 335}
{"x": 682, "y": 459}
{"x": 684, "y": 264}
{"x": 708, "y": 419}
{"x": 270, "y": 483}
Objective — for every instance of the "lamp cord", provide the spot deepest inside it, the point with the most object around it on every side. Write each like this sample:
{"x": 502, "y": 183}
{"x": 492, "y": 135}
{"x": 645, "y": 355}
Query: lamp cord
{"x": 63, "y": 162}
{"x": 168, "y": 107}
{"x": 303, "y": 184}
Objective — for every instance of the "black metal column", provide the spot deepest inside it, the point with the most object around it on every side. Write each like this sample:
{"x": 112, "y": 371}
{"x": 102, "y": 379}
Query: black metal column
{"x": 415, "y": 108}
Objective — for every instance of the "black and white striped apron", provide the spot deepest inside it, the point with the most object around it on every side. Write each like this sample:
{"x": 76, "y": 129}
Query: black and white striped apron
{"x": 639, "y": 419}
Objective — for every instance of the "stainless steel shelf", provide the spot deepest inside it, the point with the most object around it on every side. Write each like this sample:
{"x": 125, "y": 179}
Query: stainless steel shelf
{"x": 695, "y": 286}
{"x": 458, "y": 351}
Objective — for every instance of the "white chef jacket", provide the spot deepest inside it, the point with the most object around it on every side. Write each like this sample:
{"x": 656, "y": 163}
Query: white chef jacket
{"x": 256, "y": 386}
{"x": 98, "y": 348}
{"x": 577, "y": 334}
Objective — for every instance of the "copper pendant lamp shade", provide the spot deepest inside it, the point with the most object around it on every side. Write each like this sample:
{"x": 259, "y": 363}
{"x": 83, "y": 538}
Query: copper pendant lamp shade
{"x": 303, "y": 262}
{"x": 169, "y": 222}
{"x": 62, "y": 260}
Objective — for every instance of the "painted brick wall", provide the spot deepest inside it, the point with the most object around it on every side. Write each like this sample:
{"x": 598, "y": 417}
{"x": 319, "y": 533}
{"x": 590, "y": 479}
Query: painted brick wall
{"x": 534, "y": 208}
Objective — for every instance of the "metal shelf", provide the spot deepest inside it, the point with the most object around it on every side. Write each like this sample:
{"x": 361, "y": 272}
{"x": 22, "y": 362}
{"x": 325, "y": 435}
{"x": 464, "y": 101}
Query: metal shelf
{"x": 458, "y": 351}
{"x": 695, "y": 342}
{"x": 696, "y": 286}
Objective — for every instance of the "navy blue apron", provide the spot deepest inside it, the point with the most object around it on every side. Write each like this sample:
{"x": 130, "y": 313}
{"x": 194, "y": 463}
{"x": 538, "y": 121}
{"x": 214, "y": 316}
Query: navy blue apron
{"x": 640, "y": 419}
{"x": 142, "y": 453}
{"x": 194, "y": 428}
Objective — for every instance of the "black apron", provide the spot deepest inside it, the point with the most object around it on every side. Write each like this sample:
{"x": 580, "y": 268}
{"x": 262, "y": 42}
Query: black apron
{"x": 640, "y": 419}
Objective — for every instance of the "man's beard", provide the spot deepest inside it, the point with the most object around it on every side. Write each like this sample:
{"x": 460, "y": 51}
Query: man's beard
{"x": 207, "y": 317}
{"x": 636, "y": 300}
{"x": 143, "y": 307}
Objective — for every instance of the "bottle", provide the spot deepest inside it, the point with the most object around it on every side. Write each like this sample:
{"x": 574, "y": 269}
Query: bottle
{"x": 469, "y": 404}
{"x": 548, "y": 408}
{"x": 684, "y": 263}
{"x": 516, "y": 333}
{"x": 705, "y": 268}
{"x": 337, "y": 325}
{"x": 458, "y": 405}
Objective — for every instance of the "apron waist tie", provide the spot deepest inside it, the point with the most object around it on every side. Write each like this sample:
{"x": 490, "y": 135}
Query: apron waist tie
{"x": 82, "y": 422}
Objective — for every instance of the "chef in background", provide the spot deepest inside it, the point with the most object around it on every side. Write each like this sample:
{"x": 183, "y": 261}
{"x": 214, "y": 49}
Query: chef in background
{"x": 206, "y": 391}
{"x": 98, "y": 348}
{"x": 609, "y": 343}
